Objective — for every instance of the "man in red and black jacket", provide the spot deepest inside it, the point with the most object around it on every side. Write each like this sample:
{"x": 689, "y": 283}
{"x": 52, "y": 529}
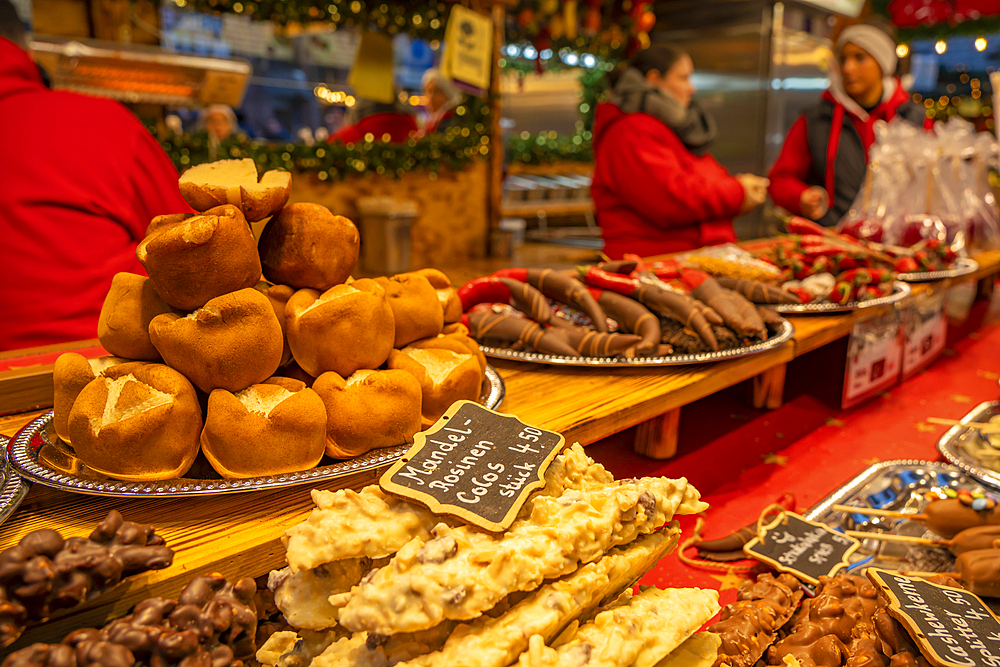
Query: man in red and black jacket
{"x": 81, "y": 179}
{"x": 823, "y": 162}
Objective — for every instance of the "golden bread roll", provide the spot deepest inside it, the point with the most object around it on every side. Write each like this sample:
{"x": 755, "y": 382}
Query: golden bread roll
{"x": 168, "y": 220}
{"x": 456, "y": 342}
{"x": 416, "y": 309}
{"x": 447, "y": 295}
{"x": 444, "y": 377}
{"x": 232, "y": 342}
{"x": 278, "y": 296}
{"x": 137, "y": 422}
{"x": 293, "y": 371}
{"x": 70, "y": 374}
{"x": 306, "y": 245}
{"x": 129, "y": 307}
{"x": 275, "y": 427}
{"x": 200, "y": 258}
{"x": 236, "y": 182}
{"x": 369, "y": 410}
{"x": 435, "y": 277}
{"x": 344, "y": 329}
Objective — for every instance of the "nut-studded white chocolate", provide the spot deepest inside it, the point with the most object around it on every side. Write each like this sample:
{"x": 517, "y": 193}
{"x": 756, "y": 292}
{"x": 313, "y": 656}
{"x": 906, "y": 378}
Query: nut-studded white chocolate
{"x": 700, "y": 650}
{"x": 463, "y": 572}
{"x": 349, "y": 524}
{"x": 639, "y": 634}
{"x": 497, "y": 642}
{"x": 303, "y": 596}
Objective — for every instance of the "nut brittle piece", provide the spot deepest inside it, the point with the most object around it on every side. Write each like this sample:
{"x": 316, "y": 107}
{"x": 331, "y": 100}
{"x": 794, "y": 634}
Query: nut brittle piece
{"x": 497, "y": 642}
{"x": 371, "y": 523}
{"x": 462, "y": 572}
{"x": 640, "y": 633}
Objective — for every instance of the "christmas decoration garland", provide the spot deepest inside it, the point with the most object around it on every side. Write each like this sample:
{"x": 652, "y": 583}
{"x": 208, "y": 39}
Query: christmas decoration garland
{"x": 451, "y": 150}
{"x": 938, "y": 19}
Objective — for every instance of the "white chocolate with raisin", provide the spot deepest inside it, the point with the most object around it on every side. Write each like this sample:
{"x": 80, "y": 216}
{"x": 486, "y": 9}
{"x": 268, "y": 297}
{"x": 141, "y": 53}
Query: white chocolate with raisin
{"x": 463, "y": 572}
{"x": 303, "y": 596}
{"x": 497, "y": 642}
{"x": 640, "y": 633}
{"x": 349, "y": 524}
{"x": 700, "y": 650}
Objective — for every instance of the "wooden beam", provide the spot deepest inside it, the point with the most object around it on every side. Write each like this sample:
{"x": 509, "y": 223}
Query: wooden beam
{"x": 769, "y": 388}
{"x": 494, "y": 187}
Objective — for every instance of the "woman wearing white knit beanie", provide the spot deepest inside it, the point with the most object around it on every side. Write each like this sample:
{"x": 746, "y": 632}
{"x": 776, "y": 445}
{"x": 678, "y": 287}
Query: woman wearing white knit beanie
{"x": 822, "y": 164}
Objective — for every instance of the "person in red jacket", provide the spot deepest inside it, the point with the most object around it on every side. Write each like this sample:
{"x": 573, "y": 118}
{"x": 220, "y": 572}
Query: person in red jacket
{"x": 382, "y": 121}
{"x": 81, "y": 179}
{"x": 655, "y": 188}
{"x": 823, "y": 161}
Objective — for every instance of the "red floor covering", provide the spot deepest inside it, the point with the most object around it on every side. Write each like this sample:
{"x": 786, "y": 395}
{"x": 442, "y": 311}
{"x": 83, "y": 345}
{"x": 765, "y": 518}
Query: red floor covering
{"x": 743, "y": 459}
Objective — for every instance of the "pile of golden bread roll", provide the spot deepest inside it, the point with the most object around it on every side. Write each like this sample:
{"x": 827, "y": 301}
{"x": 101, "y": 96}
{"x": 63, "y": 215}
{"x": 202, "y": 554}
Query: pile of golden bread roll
{"x": 263, "y": 355}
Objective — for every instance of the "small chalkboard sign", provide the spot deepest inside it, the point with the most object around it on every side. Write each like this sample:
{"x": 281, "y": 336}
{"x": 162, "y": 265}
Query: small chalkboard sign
{"x": 952, "y": 627}
{"x": 475, "y": 464}
{"x": 803, "y": 548}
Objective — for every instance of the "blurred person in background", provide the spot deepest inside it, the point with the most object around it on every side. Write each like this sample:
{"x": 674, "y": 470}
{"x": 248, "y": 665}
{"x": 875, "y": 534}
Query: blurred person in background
{"x": 219, "y": 120}
{"x": 82, "y": 178}
{"x": 384, "y": 121}
{"x": 442, "y": 97}
{"x": 656, "y": 188}
{"x": 823, "y": 161}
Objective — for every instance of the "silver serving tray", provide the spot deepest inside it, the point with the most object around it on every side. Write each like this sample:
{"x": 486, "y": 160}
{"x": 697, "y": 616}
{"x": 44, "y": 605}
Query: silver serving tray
{"x": 36, "y": 445}
{"x": 963, "y": 266}
{"x": 901, "y": 486}
{"x": 786, "y": 333}
{"x": 12, "y": 488}
{"x": 953, "y": 443}
{"x": 899, "y": 292}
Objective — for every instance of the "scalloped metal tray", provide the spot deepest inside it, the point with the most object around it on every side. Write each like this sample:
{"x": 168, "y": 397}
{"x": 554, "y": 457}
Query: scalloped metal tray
{"x": 786, "y": 333}
{"x": 898, "y": 485}
{"x": 952, "y": 445}
{"x": 13, "y": 489}
{"x": 900, "y": 291}
{"x": 39, "y": 456}
{"x": 963, "y": 266}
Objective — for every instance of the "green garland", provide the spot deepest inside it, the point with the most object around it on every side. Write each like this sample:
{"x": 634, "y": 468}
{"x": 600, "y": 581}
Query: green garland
{"x": 943, "y": 30}
{"x": 549, "y": 147}
{"x": 451, "y": 150}
{"x": 419, "y": 19}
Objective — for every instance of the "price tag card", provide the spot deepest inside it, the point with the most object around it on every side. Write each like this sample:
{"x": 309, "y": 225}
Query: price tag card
{"x": 874, "y": 356}
{"x": 803, "y": 548}
{"x": 925, "y": 328}
{"x": 952, "y": 627}
{"x": 475, "y": 464}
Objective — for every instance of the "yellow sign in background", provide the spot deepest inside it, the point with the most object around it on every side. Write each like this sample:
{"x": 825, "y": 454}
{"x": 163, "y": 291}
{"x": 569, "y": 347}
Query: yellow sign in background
{"x": 468, "y": 55}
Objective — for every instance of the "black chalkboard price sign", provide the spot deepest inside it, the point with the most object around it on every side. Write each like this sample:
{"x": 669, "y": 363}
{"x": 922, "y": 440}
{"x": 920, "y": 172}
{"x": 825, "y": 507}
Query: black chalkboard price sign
{"x": 475, "y": 464}
{"x": 952, "y": 627}
{"x": 803, "y": 548}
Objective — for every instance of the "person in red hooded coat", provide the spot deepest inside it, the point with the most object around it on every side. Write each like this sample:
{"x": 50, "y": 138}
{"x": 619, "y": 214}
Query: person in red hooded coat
{"x": 656, "y": 189}
{"x": 81, "y": 179}
{"x": 825, "y": 156}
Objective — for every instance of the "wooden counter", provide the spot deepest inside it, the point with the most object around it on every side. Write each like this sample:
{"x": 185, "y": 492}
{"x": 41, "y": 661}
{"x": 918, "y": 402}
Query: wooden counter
{"x": 240, "y": 534}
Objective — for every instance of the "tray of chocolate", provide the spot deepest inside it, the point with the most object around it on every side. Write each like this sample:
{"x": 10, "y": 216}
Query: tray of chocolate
{"x": 900, "y": 291}
{"x": 917, "y": 516}
{"x": 976, "y": 449}
{"x": 39, "y": 455}
{"x": 12, "y": 488}
{"x": 608, "y": 319}
{"x": 962, "y": 266}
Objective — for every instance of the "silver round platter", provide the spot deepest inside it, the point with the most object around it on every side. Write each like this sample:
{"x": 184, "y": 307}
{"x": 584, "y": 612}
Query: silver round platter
{"x": 38, "y": 455}
{"x": 785, "y": 334}
{"x": 900, "y": 291}
{"x": 13, "y": 489}
{"x": 963, "y": 266}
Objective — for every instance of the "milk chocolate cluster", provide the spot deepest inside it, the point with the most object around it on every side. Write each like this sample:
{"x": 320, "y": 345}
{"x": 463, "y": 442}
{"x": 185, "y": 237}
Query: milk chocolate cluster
{"x": 213, "y": 623}
{"x": 44, "y": 572}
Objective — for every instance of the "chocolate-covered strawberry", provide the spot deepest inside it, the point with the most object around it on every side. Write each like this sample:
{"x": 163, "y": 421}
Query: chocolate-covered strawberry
{"x": 520, "y": 295}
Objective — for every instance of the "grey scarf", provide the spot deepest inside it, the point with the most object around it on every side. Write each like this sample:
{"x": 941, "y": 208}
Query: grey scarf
{"x": 693, "y": 126}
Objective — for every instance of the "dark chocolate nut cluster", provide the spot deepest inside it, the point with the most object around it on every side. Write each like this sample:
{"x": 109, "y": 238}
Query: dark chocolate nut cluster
{"x": 212, "y": 624}
{"x": 44, "y": 573}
